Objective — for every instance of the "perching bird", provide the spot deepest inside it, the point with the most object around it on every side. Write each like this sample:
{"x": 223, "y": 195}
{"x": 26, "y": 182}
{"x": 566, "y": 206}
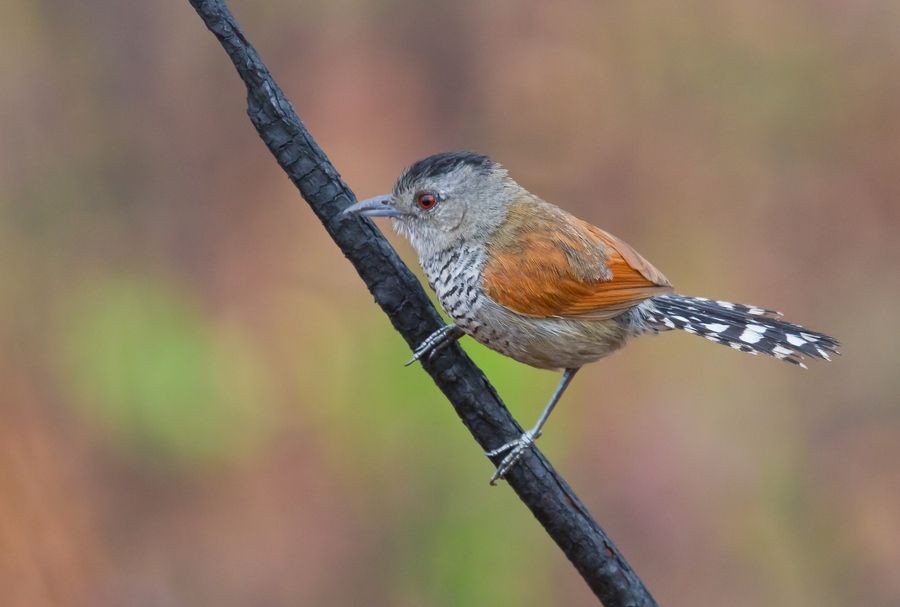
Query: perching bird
{"x": 535, "y": 283}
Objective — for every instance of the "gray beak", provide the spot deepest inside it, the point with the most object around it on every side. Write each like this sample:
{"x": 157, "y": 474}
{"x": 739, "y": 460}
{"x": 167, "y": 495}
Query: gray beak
{"x": 379, "y": 206}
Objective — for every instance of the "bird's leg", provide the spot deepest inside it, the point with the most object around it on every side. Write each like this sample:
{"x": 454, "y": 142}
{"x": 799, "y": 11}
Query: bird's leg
{"x": 435, "y": 342}
{"x": 516, "y": 448}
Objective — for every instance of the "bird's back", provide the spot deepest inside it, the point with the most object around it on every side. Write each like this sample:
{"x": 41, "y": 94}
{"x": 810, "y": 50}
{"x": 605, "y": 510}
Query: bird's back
{"x": 543, "y": 288}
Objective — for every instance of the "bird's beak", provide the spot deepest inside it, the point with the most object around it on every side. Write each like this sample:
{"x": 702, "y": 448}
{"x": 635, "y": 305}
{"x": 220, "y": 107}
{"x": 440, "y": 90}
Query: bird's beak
{"x": 379, "y": 206}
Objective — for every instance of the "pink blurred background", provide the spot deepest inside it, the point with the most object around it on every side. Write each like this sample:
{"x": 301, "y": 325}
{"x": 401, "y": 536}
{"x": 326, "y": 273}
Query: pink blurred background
{"x": 200, "y": 404}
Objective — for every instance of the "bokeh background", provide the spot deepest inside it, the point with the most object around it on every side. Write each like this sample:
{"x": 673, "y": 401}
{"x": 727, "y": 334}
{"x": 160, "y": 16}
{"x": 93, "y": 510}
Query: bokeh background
{"x": 200, "y": 404}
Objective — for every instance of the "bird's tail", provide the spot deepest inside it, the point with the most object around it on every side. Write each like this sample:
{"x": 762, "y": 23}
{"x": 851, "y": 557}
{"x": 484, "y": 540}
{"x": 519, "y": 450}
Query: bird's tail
{"x": 745, "y": 328}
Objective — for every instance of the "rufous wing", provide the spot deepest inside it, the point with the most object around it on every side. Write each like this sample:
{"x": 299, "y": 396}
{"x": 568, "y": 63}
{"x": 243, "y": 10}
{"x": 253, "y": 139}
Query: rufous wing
{"x": 544, "y": 262}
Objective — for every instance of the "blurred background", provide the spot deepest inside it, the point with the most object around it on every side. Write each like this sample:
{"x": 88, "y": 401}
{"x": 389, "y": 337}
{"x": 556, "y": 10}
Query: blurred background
{"x": 200, "y": 404}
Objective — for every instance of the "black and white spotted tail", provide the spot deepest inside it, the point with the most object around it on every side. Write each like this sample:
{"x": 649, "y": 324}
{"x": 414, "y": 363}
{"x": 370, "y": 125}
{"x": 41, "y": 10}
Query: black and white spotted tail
{"x": 745, "y": 328}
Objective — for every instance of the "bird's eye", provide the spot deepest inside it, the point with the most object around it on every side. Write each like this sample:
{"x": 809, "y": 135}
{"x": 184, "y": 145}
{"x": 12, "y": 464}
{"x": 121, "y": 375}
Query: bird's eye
{"x": 426, "y": 200}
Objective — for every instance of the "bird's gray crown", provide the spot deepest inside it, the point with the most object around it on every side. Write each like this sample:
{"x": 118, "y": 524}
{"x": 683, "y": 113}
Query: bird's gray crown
{"x": 439, "y": 165}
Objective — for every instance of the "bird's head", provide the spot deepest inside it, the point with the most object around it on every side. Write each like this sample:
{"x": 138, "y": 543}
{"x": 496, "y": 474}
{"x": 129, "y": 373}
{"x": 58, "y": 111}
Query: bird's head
{"x": 446, "y": 200}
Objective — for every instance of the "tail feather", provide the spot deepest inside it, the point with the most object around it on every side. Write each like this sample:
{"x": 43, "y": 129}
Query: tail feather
{"x": 742, "y": 327}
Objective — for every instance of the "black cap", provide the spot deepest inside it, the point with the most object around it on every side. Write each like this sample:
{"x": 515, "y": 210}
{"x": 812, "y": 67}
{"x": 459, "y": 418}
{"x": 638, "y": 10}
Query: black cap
{"x": 441, "y": 164}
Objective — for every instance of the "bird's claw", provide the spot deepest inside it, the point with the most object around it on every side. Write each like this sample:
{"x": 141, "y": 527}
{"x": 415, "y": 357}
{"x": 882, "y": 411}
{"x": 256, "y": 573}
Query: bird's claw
{"x": 516, "y": 449}
{"x": 425, "y": 348}
{"x": 435, "y": 342}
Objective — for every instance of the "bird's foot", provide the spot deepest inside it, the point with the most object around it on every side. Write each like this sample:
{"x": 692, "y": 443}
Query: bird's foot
{"x": 435, "y": 342}
{"x": 516, "y": 449}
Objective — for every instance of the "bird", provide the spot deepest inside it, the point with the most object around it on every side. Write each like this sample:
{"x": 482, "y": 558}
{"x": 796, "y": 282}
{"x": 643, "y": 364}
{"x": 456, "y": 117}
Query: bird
{"x": 533, "y": 282}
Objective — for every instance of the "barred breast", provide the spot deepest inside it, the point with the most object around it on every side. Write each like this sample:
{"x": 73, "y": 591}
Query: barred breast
{"x": 454, "y": 276}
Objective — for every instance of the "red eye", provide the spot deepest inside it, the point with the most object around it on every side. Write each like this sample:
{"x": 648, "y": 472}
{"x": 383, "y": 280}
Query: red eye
{"x": 427, "y": 201}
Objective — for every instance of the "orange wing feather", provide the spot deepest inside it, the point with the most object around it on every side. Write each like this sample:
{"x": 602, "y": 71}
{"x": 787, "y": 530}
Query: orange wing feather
{"x": 544, "y": 262}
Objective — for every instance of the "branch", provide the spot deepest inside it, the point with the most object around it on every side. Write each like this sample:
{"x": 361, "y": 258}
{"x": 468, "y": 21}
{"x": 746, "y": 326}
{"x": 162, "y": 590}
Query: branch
{"x": 402, "y": 298}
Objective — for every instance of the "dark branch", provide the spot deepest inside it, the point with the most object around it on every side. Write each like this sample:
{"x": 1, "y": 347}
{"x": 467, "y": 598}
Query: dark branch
{"x": 400, "y": 295}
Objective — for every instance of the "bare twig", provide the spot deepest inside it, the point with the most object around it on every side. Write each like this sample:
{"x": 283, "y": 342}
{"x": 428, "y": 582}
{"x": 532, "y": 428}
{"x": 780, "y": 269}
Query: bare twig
{"x": 402, "y": 298}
